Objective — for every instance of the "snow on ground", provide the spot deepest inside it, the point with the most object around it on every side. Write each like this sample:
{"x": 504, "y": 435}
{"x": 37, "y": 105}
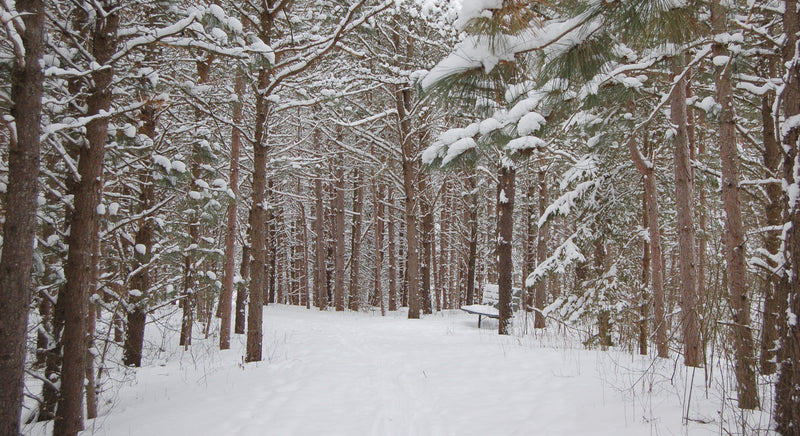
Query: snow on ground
{"x": 328, "y": 373}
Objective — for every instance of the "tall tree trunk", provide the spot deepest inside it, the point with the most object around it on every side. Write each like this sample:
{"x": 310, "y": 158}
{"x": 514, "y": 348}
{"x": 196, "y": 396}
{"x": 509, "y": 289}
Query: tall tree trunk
{"x": 472, "y": 223}
{"x": 258, "y": 231}
{"x": 426, "y": 210}
{"x": 734, "y": 241}
{"x": 83, "y": 229}
{"x": 775, "y": 284}
{"x": 229, "y": 269}
{"x": 540, "y": 293}
{"x": 445, "y": 243}
{"x": 19, "y": 228}
{"x": 403, "y": 103}
{"x": 684, "y": 197}
{"x": 655, "y": 261}
{"x": 305, "y": 282}
{"x": 320, "y": 248}
{"x": 338, "y": 219}
{"x": 355, "y": 239}
{"x": 787, "y": 390}
{"x": 140, "y": 281}
{"x": 529, "y": 246}
{"x": 392, "y": 255}
{"x": 644, "y": 295}
{"x": 377, "y": 286}
{"x": 505, "y": 228}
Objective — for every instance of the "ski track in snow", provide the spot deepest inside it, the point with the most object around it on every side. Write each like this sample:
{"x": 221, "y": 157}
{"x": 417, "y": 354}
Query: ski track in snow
{"x": 346, "y": 373}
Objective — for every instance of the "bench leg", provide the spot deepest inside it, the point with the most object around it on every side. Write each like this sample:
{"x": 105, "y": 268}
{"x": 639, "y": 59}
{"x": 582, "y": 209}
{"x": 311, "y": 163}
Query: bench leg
{"x": 479, "y": 321}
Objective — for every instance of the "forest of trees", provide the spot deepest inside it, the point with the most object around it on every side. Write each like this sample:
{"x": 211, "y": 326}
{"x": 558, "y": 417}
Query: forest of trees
{"x": 632, "y": 164}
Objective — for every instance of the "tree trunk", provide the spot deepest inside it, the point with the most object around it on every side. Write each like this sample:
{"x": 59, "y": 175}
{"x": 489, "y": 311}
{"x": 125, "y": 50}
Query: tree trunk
{"x": 338, "y": 220}
{"x": 258, "y": 231}
{"x": 377, "y": 285}
{"x": 655, "y": 261}
{"x": 320, "y": 248}
{"x": 684, "y": 197}
{"x": 83, "y": 231}
{"x": 229, "y": 269}
{"x": 734, "y": 242}
{"x": 140, "y": 281}
{"x": 540, "y": 293}
{"x": 241, "y": 292}
{"x": 787, "y": 390}
{"x": 505, "y": 228}
{"x": 403, "y": 105}
{"x": 426, "y": 210}
{"x": 472, "y": 223}
{"x": 19, "y": 228}
{"x": 355, "y": 239}
{"x": 392, "y": 255}
{"x": 775, "y": 284}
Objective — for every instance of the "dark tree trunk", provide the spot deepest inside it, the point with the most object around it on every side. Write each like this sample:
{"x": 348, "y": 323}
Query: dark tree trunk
{"x": 426, "y": 210}
{"x": 140, "y": 281}
{"x": 229, "y": 269}
{"x": 655, "y": 258}
{"x": 540, "y": 293}
{"x": 734, "y": 241}
{"x": 377, "y": 195}
{"x": 355, "y": 240}
{"x": 472, "y": 223}
{"x": 258, "y": 231}
{"x": 787, "y": 397}
{"x": 684, "y": 197}
{"x": 83, "y": 231}
{"x": 505, "y": 228}
{"x": 392, "y": 256}
{"x": 775, "y": 284}
{"x": 320, "y": 249}
{"x": 19, "y": 228}
{"x": 338, "y": 220}
{"x": 241, "y": 292}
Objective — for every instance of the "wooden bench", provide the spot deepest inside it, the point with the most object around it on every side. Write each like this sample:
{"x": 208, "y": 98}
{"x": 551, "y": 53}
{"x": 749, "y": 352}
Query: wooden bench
{"x": 490, "y": 303}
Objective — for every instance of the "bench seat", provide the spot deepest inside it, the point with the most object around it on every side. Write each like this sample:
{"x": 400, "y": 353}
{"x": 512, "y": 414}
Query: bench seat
{"x": 482, "y": 310}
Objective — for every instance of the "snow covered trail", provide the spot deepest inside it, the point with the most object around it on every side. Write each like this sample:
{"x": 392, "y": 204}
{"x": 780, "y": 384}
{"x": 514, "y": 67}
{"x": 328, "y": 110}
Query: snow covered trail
{"x": 328, "y": 373}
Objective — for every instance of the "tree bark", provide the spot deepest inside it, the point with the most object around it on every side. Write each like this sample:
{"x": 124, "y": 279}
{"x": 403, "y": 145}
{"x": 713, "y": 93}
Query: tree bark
{"x": 377, "y": 285}
{"x": 19, "y": 229}
{"x": 355, "y": 240}
{"x": 392, "y": 255}
{"x": 543, "y": 236}
{"x": 684, "y": 197}
{"x": 787, "y": 390}
{"x": 338, "y": 220}
{"x": 426, "y": 210}
{"x": 140, "y": 281}
{"x": 83, "y": 230}
{"x": 505, "y": 228}
{"x": 241, "y": 292}
{"x": 734, "y": 242}
{"x": 320, "y": 248}
{"x": 472, "y": 222}
{"x": 229, "y": 269}
{"x": 258, "y": 231}
{"x": 655, "y": 261}
{"x": 775, "y": 284}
